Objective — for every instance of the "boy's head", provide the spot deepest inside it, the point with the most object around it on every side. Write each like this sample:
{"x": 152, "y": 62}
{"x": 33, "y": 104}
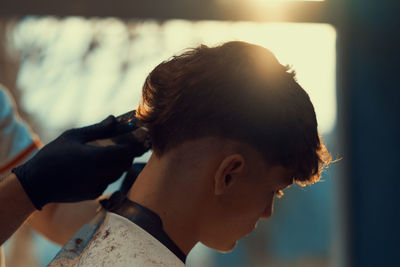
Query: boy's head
{"x": 252, "y": 114}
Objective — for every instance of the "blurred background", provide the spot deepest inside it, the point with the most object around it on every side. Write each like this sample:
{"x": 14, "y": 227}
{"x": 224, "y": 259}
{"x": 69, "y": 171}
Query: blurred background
{"x": 70, "y": 64}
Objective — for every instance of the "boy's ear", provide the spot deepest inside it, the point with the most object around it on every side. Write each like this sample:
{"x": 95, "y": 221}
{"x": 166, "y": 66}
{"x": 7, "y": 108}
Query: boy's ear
{"x": 226, "y": 174}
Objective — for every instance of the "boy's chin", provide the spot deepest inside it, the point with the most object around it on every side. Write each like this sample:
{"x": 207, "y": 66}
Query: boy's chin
{"x": 226, "y": 247}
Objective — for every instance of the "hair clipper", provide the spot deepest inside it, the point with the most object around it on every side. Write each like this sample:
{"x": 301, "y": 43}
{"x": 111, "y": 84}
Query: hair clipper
{"x": 138, "y": 135}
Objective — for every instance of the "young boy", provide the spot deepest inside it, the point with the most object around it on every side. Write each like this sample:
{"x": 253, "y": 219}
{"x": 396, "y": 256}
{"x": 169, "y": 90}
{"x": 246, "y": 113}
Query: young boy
{"x": 230, "y": 129}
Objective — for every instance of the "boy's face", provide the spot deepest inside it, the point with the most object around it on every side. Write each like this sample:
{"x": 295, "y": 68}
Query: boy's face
{"x": 250, "y": 197}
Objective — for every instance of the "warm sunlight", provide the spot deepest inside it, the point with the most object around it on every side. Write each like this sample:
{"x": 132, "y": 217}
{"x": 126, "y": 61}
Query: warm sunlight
{"x": 309, "y": 48}
{"x": 276, "y": 1}
{"x": 75, "y": 71}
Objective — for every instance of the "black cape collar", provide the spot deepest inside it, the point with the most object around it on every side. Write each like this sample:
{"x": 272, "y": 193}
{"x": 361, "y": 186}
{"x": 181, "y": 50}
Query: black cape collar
{"x": 143, "y": 217}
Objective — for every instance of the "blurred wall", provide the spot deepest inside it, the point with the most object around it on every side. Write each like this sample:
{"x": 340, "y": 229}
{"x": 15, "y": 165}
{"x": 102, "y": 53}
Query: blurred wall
{"x": 369, "y": 100}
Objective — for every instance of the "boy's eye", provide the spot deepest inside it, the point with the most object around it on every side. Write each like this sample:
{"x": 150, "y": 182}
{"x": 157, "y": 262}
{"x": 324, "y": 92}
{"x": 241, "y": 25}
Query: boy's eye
{"x": 279, "y": 194}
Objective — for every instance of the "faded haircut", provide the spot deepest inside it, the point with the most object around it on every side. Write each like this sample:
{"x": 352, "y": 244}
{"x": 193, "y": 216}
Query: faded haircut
{"x": 239, "y": 91}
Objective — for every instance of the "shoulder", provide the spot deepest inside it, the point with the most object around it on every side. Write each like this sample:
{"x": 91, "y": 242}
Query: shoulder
{"x": 17, "y": 142}
{"x": 122, "y": 243}
{"x": 6, "y": 103}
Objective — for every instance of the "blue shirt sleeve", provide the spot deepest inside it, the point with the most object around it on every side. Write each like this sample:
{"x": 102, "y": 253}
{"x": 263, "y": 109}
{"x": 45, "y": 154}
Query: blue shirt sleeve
{"x": 15, "y": 135}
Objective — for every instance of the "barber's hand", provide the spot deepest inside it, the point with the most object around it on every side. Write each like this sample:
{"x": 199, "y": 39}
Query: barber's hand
{"x": 69, "y": 170}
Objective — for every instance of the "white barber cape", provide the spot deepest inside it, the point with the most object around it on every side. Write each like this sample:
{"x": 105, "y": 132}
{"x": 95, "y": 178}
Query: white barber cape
{"x": 118, "y": 242}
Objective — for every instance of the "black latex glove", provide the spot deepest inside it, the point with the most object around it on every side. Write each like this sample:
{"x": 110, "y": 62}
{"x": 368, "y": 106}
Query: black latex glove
{"x": 69, "y": 170}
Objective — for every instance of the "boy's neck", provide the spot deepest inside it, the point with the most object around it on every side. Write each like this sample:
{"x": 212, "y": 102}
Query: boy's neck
{"x": 155, "y": 190}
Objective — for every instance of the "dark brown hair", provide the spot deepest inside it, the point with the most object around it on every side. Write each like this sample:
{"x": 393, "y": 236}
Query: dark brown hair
{"x": 239, "y": 91}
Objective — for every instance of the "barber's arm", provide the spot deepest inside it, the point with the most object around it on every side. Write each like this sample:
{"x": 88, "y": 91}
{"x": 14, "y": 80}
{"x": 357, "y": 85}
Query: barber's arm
{"x": 65, "y": 170}
{"x": 15, "y": 206}
{"x": 58, "y": 222}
